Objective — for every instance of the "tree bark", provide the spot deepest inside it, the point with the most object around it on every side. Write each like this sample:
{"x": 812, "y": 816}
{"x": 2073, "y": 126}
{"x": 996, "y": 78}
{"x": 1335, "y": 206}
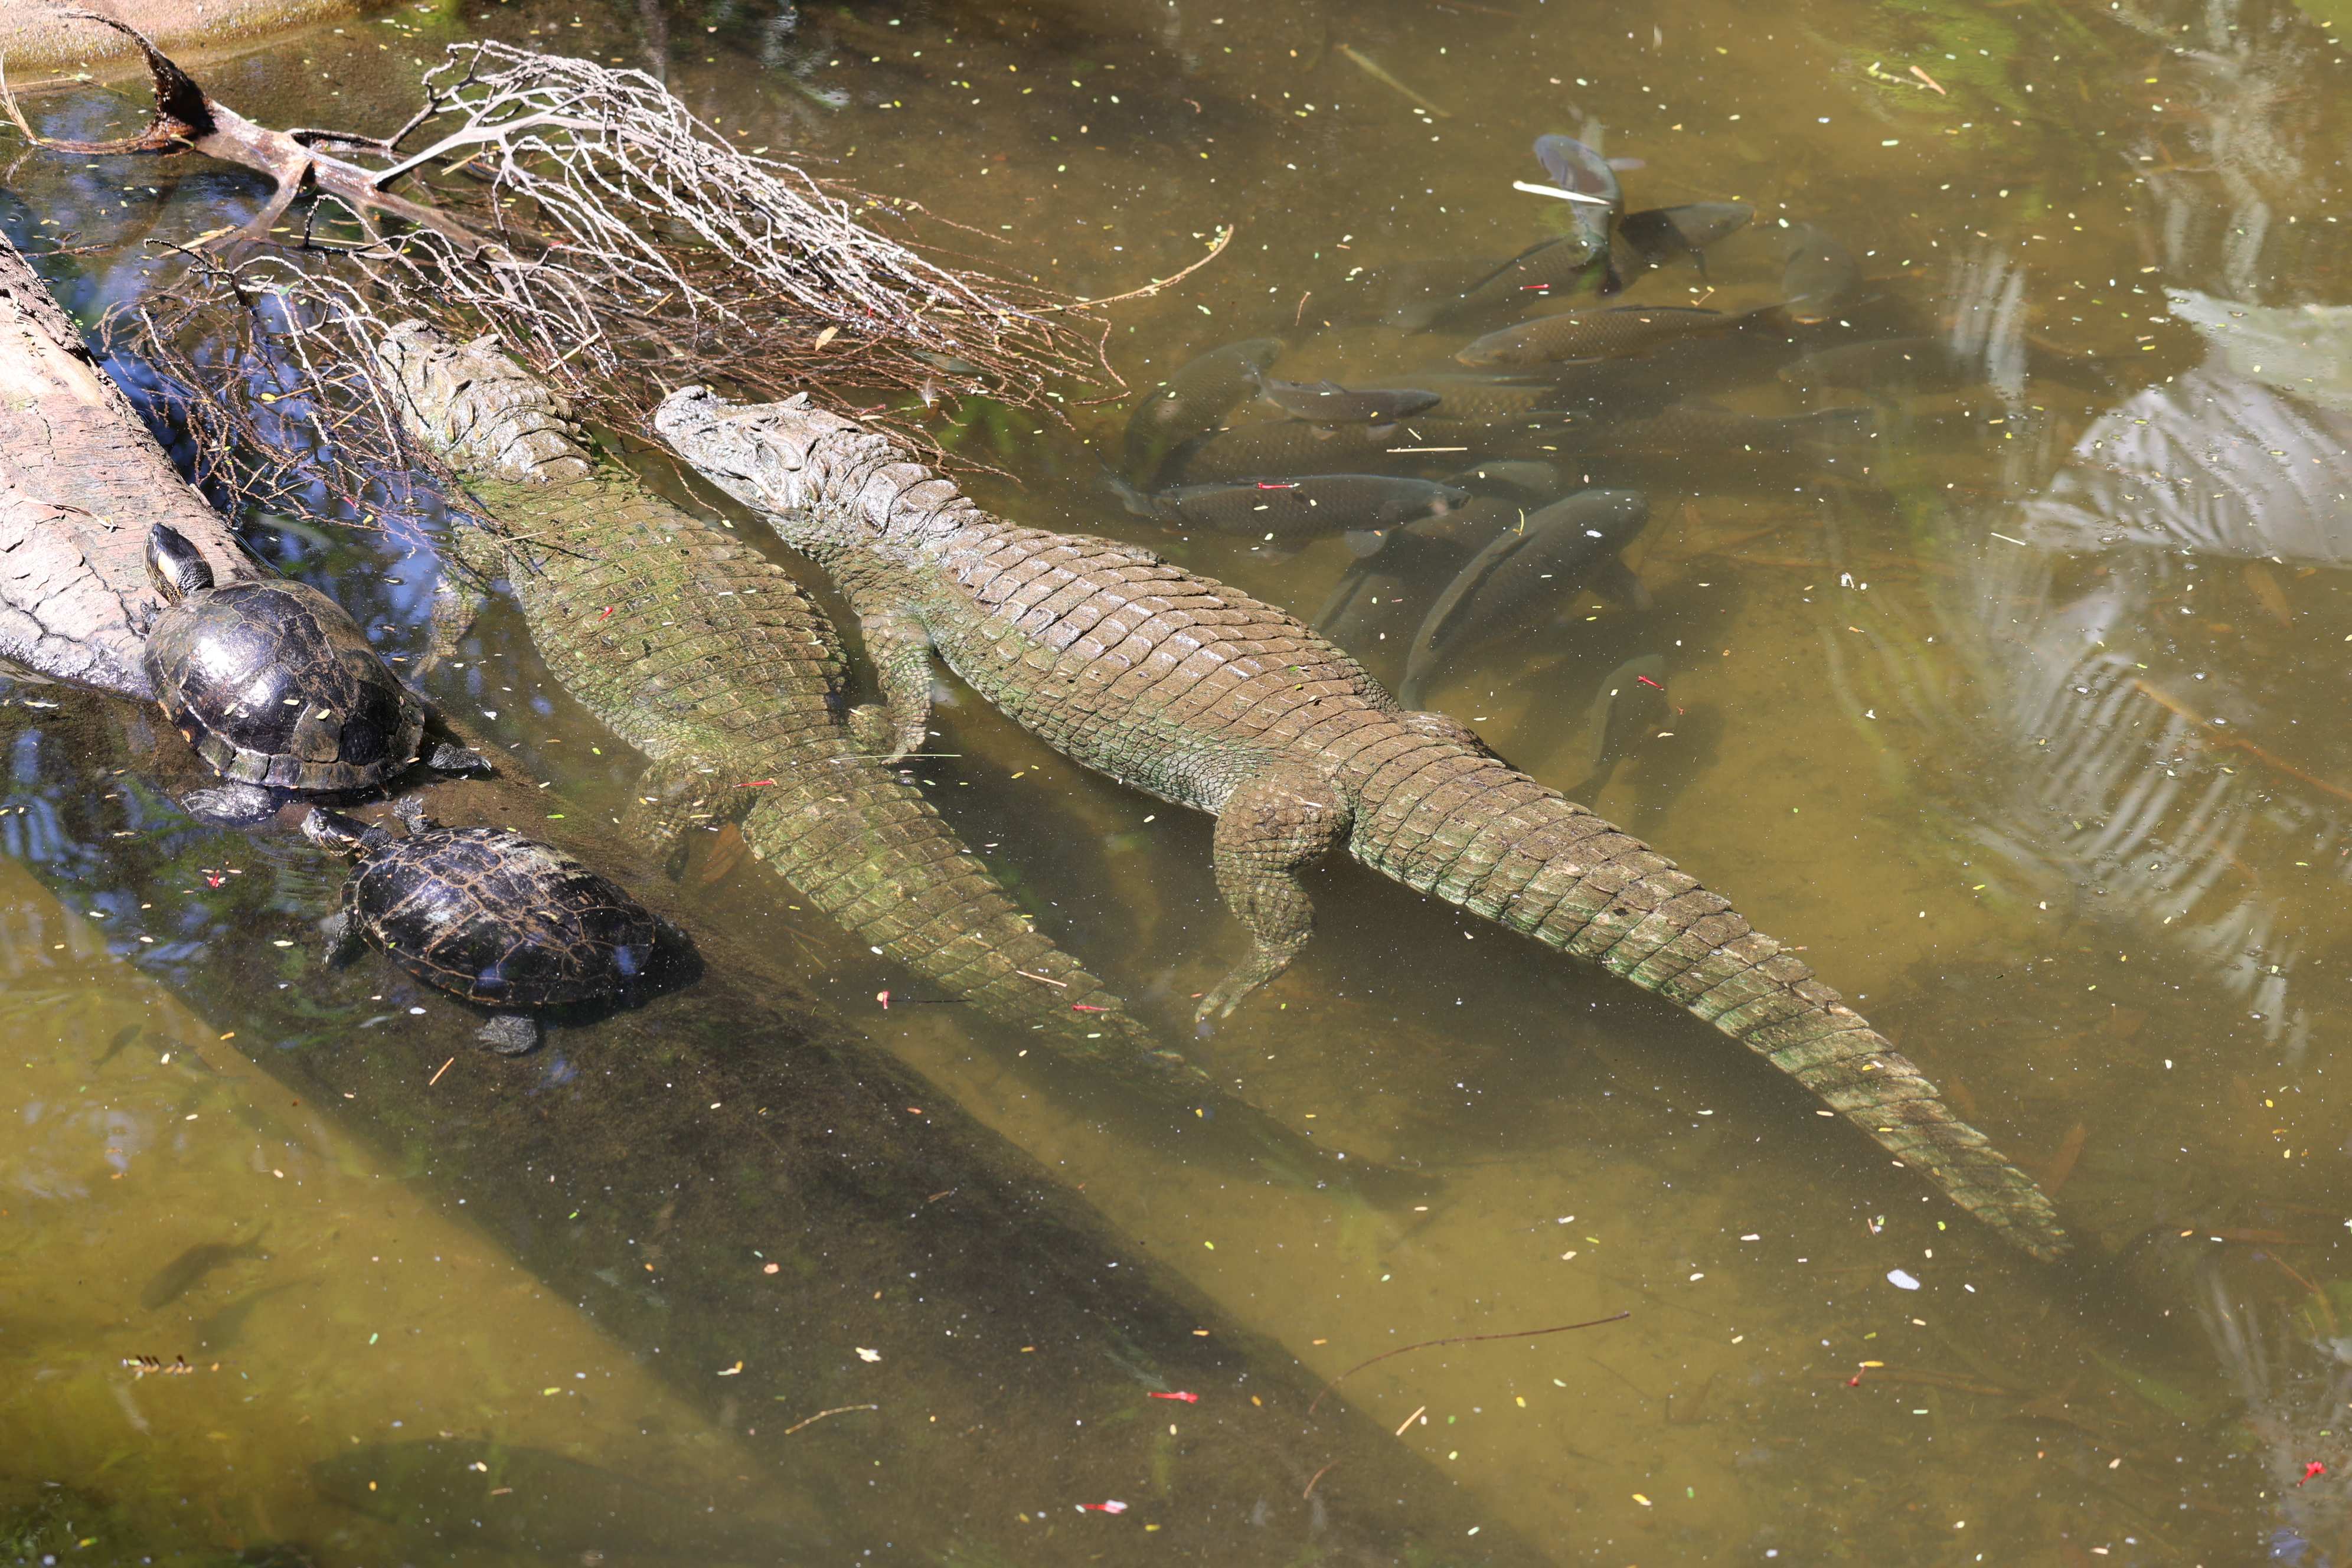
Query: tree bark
{"x": 81, "y": 480}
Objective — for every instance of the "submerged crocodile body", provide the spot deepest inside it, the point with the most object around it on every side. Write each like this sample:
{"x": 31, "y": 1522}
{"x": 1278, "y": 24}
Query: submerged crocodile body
{"x": 1186, "y": 688}
{"x": 719, "y": 666}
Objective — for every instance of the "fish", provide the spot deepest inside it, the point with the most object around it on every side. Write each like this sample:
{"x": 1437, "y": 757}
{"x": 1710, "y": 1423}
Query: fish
{"x": 1657, "y": 236}
{"x": 1569, "y": 545}
{"x": 1491, "y": 396}
{"x": 1924, "y": 364}
{"x": 1551, "y": 269}
{"x": 1579, "y": 262}
{"x": 1817, "y": 274}
{"x": 504, "y": 1497}
{"x": 1575, "y": 167}
{"x": 1352, "y": 615}
{"x": 1675, "y": 372}
{"x": 186, "y": 1272}
{"x": 1378, "y": 602}
{"x": 1296, "y": 446}
{"x": 1520, "y": 479}
{"x": 1310, "y": 506}
{"x": 1616, "y": 332}
{"x": 1403, "y": 294}
{"x": 116, "y": 1046}
{"x": 221, "y": 1330}
{"x": 1192, "y": 400}
{"x": 1630, "y": 706}
{"x": 1329, "y": 403}
{"x": 1696, "y": 430}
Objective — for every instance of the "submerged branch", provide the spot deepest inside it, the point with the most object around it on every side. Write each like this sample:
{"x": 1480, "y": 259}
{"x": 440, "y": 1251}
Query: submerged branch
{"x": 1462, "y": 1340}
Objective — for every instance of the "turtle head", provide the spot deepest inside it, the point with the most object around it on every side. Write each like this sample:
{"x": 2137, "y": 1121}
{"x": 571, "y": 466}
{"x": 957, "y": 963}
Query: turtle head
{"x": 343, "y": 835}
{"x": 174, "y": 566}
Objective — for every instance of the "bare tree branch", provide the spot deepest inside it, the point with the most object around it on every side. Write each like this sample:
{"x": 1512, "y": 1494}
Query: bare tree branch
{"x": 611, "y": 240}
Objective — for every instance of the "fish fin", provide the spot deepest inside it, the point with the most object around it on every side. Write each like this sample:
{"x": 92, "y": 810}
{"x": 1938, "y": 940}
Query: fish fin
{"x": 1366, "y": 541}
{"x": 1173, "y": 462}
{"x": 1447, "y": 615}
{"x": 1134, "y": 499}
{"x": 1615, "y": 581}
{"x": 1537, "y": 249}
{"x": 1623, "y": 165}
{"x": 1343, "y": 597}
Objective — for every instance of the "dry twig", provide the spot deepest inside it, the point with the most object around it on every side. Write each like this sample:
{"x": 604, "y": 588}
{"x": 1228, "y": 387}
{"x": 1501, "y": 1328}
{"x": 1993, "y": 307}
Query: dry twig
{"x": 616, "y": 245}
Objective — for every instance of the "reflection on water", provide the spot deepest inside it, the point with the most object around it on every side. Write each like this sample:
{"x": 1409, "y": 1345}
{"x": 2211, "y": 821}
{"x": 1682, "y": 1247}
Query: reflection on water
{"x": 1985, "y": 641}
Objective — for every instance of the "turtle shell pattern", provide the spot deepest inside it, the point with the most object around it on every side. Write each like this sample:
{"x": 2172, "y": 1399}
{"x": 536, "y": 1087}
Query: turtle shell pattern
{"x": 497, "y": 918}
{"x": 273, "y": 684}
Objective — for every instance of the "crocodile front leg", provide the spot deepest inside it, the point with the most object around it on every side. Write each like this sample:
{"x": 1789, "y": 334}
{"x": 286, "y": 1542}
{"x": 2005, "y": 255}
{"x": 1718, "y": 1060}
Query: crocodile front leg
{"x": 901, "y": 650}
{"x": 1270, "y": 829}
{"x": 467, "y": 562}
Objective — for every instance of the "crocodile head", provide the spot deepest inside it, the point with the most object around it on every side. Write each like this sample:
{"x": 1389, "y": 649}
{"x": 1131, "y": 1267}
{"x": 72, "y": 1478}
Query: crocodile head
{"x": 803, "y": 470}
{"x": 480, "y": 411}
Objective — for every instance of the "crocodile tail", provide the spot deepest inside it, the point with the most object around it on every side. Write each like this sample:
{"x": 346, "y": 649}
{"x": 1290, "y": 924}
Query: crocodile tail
{"x": 1450, "y": 820}
{"x": 872, "y": 853}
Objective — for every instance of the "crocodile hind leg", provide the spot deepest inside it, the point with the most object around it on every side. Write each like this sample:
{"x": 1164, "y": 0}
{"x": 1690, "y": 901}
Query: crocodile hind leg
{"x": 676, "y": 793}
{"x": 1267, "y": 831}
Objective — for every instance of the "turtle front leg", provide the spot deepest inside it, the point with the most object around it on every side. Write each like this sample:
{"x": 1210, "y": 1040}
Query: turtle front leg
{"x": 448, "y": 757}
{"x": 1270, "y": 829}
{"x": 510, "y": 1034}
{"x": 343, "y": 939}
{"x": 232, "y": 805}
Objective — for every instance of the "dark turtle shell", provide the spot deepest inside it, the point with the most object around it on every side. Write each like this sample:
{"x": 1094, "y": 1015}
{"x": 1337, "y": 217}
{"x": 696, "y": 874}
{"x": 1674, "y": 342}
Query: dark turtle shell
{"x": 497, "y": 918}
{"x": 273, "y": 684}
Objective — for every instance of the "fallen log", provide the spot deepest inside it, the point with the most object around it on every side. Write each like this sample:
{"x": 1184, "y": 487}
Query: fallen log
{"x": 44, "y": 42}
{"x": 81, "y": 480}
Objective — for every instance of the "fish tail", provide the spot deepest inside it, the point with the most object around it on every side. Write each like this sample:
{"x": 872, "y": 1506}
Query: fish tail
{"x": 1135, "y": 500}
{"x": 1454, "y": 821}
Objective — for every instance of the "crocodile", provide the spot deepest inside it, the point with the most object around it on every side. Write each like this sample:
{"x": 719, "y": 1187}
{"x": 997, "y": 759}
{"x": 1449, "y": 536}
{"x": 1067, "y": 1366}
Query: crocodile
{"x": 1197, "y": 693}
{"x": 719, "y": 666}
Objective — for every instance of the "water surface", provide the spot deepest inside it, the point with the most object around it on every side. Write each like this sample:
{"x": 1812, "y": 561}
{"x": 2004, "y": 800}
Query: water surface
{"x": 2020, "y": 717}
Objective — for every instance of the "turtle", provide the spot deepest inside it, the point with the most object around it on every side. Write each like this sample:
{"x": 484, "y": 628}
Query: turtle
{"x": 277, "y": 689}
{"x": 488, "y": 915}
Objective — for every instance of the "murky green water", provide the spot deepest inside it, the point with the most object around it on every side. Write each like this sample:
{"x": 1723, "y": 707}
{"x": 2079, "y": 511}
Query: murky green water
{"x": 2022, "y": 716}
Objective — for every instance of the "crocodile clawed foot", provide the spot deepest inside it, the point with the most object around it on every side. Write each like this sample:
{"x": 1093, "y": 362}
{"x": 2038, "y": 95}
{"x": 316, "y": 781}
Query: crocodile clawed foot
{"x": 1235, "y": 988}
{"x": 880, "y": 735}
